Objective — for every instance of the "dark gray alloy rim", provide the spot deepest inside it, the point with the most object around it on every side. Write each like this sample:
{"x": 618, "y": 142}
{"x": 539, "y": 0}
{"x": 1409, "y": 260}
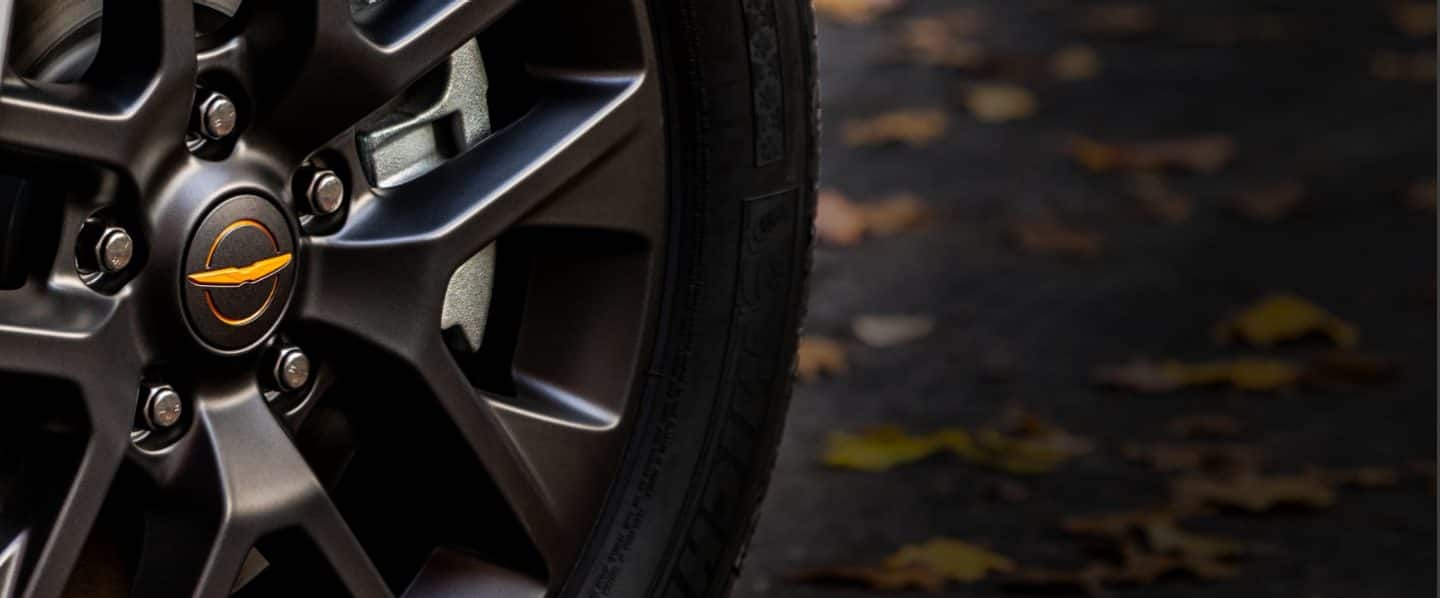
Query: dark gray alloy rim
{"x": 404, "y": 464}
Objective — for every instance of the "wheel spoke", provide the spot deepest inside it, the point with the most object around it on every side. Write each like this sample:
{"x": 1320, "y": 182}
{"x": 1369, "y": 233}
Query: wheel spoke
{"x": 252, "y": 483}
{"x": 70, "y": 121}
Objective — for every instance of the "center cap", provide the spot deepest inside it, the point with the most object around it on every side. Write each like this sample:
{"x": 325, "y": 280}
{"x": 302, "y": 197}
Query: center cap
{"x": 239, "y": 272}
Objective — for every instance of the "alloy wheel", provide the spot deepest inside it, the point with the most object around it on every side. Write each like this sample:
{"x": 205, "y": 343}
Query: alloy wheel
{"x": 277, "y": 314}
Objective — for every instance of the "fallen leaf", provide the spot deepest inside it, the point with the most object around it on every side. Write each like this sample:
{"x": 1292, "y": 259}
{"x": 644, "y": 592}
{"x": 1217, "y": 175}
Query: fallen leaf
{"x": 1158, "y": 530}
{"x": 1160, "y": 201}
{"x": 1150, "y": 544}
{"x": 1022, "y": 444}
{"x": 1159, "y": 377}
{"x": 1253, "y": 493}
{"x": 885, "y": 447}
{"x": 1205, "y": 426}
{"x": 839, "y": 221}
{"x": 928, "y": 566}
{"x": 1348, "y": 368}
{"x": 1048, "y": 237}
{"x": 1410, "y": 67}
{"x": 937, "y": 41}
{"x": 1120, "y": 19}
{"x": 817, "y": 356}
{"x": 1421, "y": 196}
{"x": 1416, "y": 19}
{"x": 1075, "y": 63}
{"x": 1282, "y": 317}
{"x": 999, "y": 102}
{"x": 1215, "y": 459}
{"x": 914, "y": 127}
{"x": 890, "y": 331}
{"x": 1089, "y": 579}
{"x": 1269, "y": 203}
{"x": 1205, "y": 154}
{"x": 855, "y": 12}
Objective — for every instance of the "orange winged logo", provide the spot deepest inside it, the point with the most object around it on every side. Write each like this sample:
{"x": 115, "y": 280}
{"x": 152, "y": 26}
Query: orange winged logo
{"x": 240, "y": 276}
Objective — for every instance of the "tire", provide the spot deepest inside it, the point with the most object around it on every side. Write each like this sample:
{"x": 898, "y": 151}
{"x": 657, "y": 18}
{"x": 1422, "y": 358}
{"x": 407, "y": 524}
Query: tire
{"x": 739, "y": 86}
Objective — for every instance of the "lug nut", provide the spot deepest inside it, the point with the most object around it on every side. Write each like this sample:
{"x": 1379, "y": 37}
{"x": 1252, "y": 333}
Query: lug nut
{"x": 114, "y": 250}
{"x": 163, "y": 407}
{"x": 292, "y": 369}
{"x": 326, "y": 192}
{"x": 217, "y": 115}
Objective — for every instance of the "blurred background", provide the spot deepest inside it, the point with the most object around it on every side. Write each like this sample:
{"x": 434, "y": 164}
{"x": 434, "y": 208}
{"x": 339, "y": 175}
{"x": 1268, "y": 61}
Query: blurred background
{"x": 1129, "y": 298}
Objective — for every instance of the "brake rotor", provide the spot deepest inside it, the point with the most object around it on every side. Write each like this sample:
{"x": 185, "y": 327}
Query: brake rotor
{"x": 56, "y": 40}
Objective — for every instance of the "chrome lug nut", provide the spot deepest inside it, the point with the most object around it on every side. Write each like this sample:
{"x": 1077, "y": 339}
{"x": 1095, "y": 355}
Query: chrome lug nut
{"x": 326, "y": 192}
{"x": 292, "y": 369}
{"x": 163, "y": 407}
{"x": 114, "y": 250}
{"x": 217, "y": 115}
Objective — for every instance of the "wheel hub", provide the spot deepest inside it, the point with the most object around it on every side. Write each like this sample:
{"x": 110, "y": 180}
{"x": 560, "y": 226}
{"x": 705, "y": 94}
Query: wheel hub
{"x": 239, "y": 272}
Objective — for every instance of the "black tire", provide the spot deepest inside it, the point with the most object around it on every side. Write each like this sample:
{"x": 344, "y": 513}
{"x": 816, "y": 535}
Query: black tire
{"x": 740, "y": 97}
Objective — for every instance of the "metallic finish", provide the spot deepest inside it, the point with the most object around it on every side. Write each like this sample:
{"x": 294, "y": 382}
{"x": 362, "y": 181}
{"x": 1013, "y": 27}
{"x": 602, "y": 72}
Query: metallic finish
{"x": 292, "y": 369}
{"x": 467, "y": 298}
{"x": 239, "y": 271}
{"x": 114, "y": 250}
{"x": 402, "y": 145}
{"x": 326, "y": 192}
{"x": 218, "y": 115}
{"x": 163, "y": 407}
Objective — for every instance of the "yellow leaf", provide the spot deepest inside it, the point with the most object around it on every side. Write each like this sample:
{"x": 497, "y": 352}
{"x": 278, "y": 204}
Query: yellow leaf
{"x": 1254, "y": 493}
{"x": 1023, "y": 445}
{"x": 999, "y": 102}
{"x": 855, "y": 12}
{"x": 915, "y": 127}
{"x": 953, "y": 559}
{"x": 1158, "y": 377}
{"x": 1075, "y": 63}
{"x": 884, "y": 447}
{"x": 1282, "y": 317}
{"x": 1047, "y": 237}
{"x": 818, "y": 356}
{"x": 928, "y": 566}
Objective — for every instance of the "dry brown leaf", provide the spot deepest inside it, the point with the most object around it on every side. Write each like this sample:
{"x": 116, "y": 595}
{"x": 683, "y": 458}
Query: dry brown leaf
{"x": 1160, "y": 201}
{"x": 1280, "y": 317}
{"x": 1411, "y": 67}
{"x": 938, "y": 41}
{"x": 839, "y": 221}
{"x": 1270, "y": 203}
{"x": 1048, "y": 237}
{"x": 1147, "y": 376}
{"x": 929, "y": 567}
{"x": 1159, "y": 531}
{"x": 817, "y": 356}
{"x": 1151, "y": 545}
{"x": 1416, "y": 19}
{"x": 1421, "y": 196}
{"x": 1205, "y": 154}
{"x": 1217, "y": 459}
{"x": 855, "y": 12}
{"x": 1253, "y": 493}
{"x": 999, "y": 102}
{"x": 1075, "y": 63}
{"x": 916, "y": 127}
{"x": 1205, "y": 425}
{"x": 885, "y": 447}
{"x": 882, "y": 331}
{"x": 1120, "y": 19}
{"x": 1348, "y": 368}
